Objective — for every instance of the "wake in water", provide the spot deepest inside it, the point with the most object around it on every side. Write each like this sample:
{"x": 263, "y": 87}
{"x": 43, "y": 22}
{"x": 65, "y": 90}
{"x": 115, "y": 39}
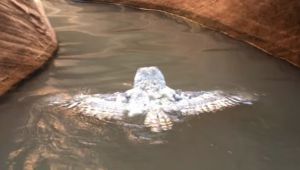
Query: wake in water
{"x": 74, "y": 126}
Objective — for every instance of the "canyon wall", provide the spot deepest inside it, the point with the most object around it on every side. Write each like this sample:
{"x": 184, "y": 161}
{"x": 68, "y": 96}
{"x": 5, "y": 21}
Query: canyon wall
{"x": 27, "y": 40}
{"x": 270, "y": 25}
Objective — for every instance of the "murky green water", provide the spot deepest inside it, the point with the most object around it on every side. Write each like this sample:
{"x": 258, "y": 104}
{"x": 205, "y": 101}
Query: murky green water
{"x": 101, "y": 46}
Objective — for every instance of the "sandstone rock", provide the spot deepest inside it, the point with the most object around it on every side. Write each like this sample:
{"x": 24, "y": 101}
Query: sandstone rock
{"x": 27, "y": 40}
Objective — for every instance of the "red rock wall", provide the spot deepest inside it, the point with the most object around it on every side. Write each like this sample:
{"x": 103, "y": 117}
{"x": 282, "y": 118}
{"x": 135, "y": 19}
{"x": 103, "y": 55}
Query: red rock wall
{"x": 271, "y": 25}
{"x": 27, "y": 40}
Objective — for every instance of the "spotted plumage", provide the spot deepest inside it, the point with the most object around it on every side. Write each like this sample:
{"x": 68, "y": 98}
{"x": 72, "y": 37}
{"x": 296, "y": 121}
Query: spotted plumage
{"x": 152, "y": 98}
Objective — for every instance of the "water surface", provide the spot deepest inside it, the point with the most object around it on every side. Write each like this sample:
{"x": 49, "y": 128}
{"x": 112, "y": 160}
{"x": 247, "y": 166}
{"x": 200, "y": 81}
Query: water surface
{"x": 101, "y": 46}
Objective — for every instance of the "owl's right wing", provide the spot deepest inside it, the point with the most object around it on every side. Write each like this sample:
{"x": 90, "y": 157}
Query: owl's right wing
{"x": 211, "y": 101}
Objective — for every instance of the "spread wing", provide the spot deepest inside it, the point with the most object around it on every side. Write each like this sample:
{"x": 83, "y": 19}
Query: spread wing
{"x": 211, "y": 101}
{"x": 101, "y": 106}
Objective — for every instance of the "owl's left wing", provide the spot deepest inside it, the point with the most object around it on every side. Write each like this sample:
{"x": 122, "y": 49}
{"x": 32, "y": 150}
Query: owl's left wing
{"x": 101, "y": 106}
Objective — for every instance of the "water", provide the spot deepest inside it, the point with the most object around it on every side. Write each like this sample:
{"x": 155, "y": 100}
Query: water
{"x": 101, "y": 46}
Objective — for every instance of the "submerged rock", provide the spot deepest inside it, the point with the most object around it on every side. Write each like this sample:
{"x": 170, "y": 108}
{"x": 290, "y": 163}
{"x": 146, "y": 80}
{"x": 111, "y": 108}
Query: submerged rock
{"x": 27, "y": 40}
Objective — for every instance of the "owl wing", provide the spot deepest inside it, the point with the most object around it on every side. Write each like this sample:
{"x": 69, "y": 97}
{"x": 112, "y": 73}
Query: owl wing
{"x": 101, "y": 106}
{"x": 212, "y": 101}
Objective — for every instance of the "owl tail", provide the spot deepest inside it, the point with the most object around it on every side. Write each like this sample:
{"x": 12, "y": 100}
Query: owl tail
{"x": 158, "y": 121}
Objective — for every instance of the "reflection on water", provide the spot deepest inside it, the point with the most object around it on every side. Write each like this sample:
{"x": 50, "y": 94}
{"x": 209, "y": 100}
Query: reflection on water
{"x": 100, "y": 48}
